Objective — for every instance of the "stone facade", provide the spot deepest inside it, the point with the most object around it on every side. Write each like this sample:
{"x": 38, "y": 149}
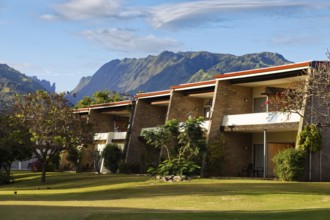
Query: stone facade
{"x": 182, "y": 107}
{"x": 145, "y": 116}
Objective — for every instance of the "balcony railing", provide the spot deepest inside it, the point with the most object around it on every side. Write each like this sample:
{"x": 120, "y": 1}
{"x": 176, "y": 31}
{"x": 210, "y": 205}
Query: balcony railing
{"x": 109, "y": 136}
{"x": 118, "y": 135}
{"x": 260, "y": 118}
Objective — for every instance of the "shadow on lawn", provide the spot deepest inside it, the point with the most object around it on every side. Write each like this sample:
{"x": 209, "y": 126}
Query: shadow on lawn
{"x": 62, "y": 180}
{"x": 151, "y": 189}
{"x": 51, "y": 212}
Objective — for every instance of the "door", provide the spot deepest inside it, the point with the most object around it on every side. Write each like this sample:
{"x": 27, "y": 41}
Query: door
{"x": 273, "y": 149}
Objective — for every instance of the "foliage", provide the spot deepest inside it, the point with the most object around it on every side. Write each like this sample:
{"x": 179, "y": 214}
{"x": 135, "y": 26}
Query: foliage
{"x": 290, "y": 164}
{"x": 15, "y": 144}
{"x": 176, "y": 167}
{"x": 215, "y": 154}
{"x": 112, "y": 155}
{"x": 74, "y": 155}
{"x": 99, "y": 97}
{"x": 52, "y": 124}
{"x": 183, "y": 143}
{"x": 164, "y": 137}
{"x": 310, "y": 138}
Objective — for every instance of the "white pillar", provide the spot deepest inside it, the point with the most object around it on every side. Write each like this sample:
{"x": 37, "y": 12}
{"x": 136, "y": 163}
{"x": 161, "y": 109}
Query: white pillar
{"x": 265, "y": 152}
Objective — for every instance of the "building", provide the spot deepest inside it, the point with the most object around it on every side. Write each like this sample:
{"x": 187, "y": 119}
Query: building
{"x": 236, "y": 105}
{"x": 111, "y": 122}
{"x": 254, "y": 133}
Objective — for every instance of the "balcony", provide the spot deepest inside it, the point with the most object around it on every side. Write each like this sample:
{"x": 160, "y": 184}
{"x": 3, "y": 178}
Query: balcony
{"x": 110, "y": 136}
{"x": 118, "y": 135}
{"x": 264, "y": 118}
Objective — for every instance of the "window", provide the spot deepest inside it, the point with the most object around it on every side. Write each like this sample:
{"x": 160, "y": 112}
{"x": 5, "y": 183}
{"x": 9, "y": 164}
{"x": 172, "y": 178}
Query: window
{"x": 260, "y": 104}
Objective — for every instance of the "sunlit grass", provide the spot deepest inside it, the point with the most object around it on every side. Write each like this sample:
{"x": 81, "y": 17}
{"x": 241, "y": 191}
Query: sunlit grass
{"x": 93, "y": 196}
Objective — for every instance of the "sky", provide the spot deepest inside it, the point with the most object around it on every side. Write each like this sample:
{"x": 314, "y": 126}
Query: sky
{"x": 63, "y": 40}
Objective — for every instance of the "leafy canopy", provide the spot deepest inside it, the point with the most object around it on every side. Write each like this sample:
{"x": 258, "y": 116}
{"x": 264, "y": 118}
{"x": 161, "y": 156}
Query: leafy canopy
{"x": 52, "y": 124}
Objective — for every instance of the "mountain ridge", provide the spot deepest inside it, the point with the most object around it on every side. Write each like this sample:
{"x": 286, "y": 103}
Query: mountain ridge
{"x": 158, "y": 72}
{"x": 13, "y": 82}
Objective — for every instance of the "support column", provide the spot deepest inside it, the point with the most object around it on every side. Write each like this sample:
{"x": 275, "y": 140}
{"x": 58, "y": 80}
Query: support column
{"x": 265, "y": 153}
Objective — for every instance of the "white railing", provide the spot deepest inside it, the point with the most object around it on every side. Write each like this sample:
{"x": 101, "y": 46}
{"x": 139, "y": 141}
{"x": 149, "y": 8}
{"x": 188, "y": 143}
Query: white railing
{"x": 260, "y": 118}
{"x": 108, "y": 136}
{"x": 119, "y": 135}
{"x": 206, "y": 124}
{"x": 101, "y": 136}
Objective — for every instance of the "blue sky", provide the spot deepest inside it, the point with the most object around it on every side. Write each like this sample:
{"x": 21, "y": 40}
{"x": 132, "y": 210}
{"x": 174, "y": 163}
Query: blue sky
{"x": 64, "y": 40}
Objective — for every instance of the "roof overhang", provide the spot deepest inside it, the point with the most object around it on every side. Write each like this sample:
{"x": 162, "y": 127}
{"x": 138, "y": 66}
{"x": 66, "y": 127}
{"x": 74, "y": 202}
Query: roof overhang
{"x": 155, "y": 94}
{"x": 267, "y": 74}
{"x": 196, "y": 85}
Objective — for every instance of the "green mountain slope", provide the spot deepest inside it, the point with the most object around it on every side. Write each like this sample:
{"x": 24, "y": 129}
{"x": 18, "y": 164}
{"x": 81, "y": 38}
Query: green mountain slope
{"x": 13, "y": 82}
{"x": 167, "y": 69}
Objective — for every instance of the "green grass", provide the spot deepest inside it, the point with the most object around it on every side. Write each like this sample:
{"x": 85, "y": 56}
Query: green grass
{"x": 91, "y": 196}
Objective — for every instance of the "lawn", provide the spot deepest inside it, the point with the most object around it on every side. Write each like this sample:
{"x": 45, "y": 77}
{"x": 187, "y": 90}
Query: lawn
{"x": 92, "y": 196}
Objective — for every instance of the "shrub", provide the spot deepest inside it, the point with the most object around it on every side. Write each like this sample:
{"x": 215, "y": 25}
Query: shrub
{"x": 310, "y": 138}
{"x": 290, "y": 164}
{"x": 112, "y": 155}
{"x": 176, "y": 167}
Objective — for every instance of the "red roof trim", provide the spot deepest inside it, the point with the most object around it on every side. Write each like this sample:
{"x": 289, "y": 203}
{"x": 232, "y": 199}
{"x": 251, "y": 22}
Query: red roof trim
{"x": 79, "y": 110}
{"x": 267, "y": 69}
{"x": 187, "y": 85}
{"x": 127, "y": 102}
{"x": 142, "y": 95}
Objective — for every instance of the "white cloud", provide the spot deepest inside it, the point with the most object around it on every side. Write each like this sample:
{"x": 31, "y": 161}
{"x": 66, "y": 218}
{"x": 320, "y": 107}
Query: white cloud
{"x": 128, "y": 41}
{"x": 292, "y": 39}
{"x": 174, "y": 15}
{"x": 48, "y": 17}
{"x": 88, "y": 9}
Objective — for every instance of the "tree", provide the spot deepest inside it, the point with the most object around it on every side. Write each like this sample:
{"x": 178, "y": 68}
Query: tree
{"x": 184, "y": 142}
{"x": 52, "y": 124}
{"x": 112, "y": 155}
{"x": 15, "y": 143}
{"x": 164, "y": 137}
{"x": 99, "y": 97}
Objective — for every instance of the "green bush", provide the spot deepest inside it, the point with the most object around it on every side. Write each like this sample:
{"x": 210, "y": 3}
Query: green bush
{"x": 176, "y": 167}
{"x": 112, "y": 156}
{"x": 310, "y": 138}
{"x": 290, "y": 164}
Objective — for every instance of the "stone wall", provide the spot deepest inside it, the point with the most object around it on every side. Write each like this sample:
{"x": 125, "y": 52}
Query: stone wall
{"x": 145, "y": 116}
{"x": 231, "y": 99}
{"x": 102, "y": 122}
{"x": 182, "y": 106}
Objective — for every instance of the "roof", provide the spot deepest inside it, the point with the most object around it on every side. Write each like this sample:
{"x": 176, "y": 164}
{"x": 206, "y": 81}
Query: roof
{"x": 265, "y": 71}
{"x": 153, "y": 94}
{"x": 104, "y": 105}
{"x": 194, "y": 85}
{"x": 81, "y": 110}
{"x": 111, "y": 105}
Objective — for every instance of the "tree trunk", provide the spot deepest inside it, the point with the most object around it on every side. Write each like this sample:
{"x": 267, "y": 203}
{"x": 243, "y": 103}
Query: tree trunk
{"x": 203, "y": 165}
{"x": 43, "y": 172}
{"x": 310, "y": 166}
